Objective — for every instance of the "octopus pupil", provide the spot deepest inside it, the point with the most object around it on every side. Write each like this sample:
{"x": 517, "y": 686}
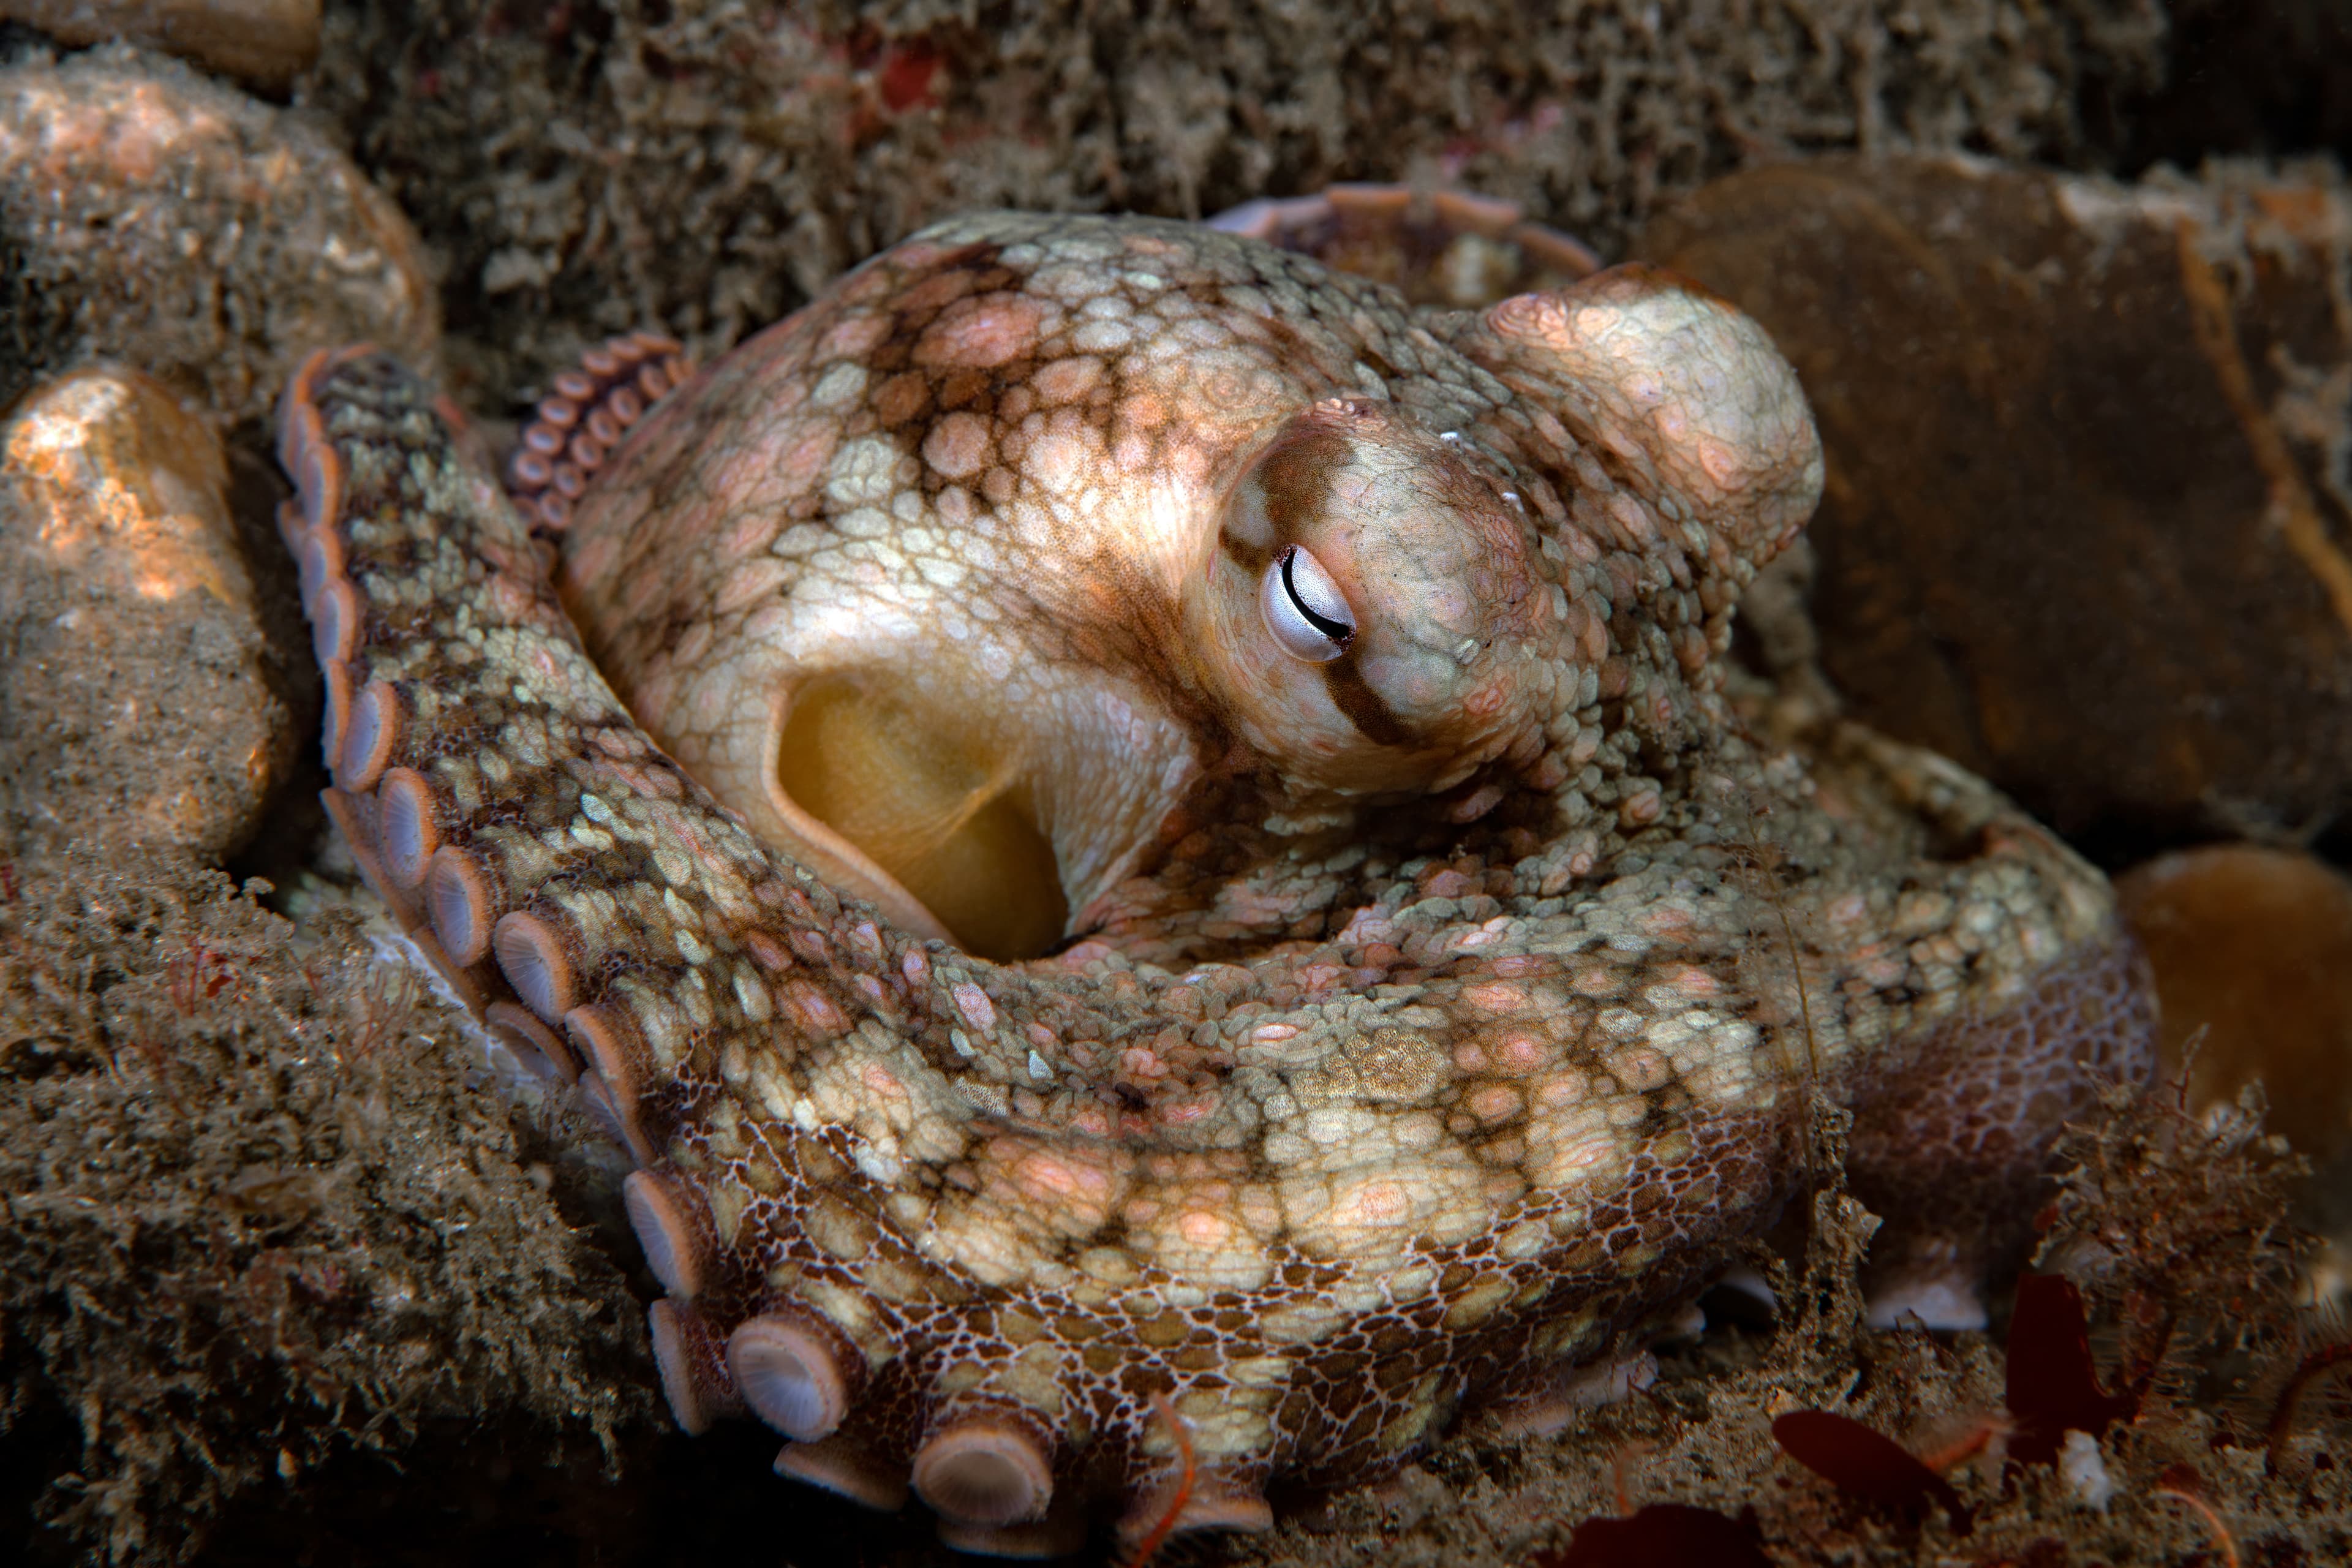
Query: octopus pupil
{"x": 1338, "y": 631}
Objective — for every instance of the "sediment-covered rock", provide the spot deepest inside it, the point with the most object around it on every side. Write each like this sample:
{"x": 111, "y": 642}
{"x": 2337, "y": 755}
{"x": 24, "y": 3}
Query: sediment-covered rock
{"x": 258, "y": 1209}
{"x": 139, "y": 701}
{"x": 598, "y": 166}
{"x": 161, "y": 219}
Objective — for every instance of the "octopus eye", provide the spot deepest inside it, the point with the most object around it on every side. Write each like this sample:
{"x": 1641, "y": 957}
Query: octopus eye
{"x": 1304, "y": 609}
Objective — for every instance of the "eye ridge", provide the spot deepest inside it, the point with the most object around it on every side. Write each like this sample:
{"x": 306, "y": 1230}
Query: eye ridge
{"x": 1339, "y": 631}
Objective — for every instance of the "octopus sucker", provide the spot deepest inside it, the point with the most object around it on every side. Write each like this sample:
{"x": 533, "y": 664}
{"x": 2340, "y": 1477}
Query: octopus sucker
{"x": 1420, "y": 969}
{"x": 584, "y": 418}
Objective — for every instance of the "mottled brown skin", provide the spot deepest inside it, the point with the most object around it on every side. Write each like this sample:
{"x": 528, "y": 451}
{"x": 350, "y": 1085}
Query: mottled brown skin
{"x": 1423, "y": 1023}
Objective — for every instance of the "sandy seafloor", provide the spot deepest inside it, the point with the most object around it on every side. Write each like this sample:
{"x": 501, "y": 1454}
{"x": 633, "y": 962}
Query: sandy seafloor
{"x": 255, "y": 1311}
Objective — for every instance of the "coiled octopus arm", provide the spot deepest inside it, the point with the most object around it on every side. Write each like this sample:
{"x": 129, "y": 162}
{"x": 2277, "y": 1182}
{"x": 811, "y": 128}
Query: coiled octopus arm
{"x": 1338, "y": 1117}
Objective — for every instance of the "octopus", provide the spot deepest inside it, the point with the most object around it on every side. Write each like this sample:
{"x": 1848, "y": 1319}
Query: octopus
{"x": 1161, "y": 862}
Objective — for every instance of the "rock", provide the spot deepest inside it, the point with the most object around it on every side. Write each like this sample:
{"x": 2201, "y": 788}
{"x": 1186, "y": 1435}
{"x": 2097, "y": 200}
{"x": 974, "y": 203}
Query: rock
{"x": 2253, "y": 953}
{"x": 157, "y": 218}
{"x": 138, "y": 700}
{"x": 264, "y": 41}
{"x": 2086, "y": 528}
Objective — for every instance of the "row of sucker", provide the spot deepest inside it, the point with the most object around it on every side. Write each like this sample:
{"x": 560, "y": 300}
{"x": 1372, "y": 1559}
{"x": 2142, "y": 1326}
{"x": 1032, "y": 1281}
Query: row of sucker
{"x": 576, "y": 425}
{"x": 453, "y": 885}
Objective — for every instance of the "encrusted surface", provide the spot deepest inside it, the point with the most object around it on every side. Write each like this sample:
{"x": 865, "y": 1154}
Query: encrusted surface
{"x": 143, "y": 702}
{"x": 595, "y": 167}
{"x": 151, "y": 214}
{"x": 1411, "y": 1049}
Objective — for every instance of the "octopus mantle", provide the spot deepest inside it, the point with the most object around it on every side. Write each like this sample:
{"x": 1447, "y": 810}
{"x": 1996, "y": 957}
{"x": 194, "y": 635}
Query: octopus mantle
{"x": 1344, "y": 1098}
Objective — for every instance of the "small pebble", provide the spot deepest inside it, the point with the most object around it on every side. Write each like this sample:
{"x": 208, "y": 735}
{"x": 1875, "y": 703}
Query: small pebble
{"x": 2085, "y": 1472}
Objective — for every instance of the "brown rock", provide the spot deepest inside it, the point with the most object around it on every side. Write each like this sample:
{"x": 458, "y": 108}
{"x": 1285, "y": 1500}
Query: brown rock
{"x": 137, "y": 698}
{"x": 151, "y": 216}
{"x": 2253, "y": 953}
{"x": 263, "y": 41}
{"x": 2081, "y": 530}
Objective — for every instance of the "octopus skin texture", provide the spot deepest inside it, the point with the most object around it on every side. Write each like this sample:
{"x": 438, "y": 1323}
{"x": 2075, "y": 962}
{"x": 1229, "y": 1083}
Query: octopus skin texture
{"x": 1135, "y": 835}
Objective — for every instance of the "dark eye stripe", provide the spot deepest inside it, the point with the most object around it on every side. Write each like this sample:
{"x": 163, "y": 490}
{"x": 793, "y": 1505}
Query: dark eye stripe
{"x": 1338, "y": 631}
{"x": 1353, "y": 696}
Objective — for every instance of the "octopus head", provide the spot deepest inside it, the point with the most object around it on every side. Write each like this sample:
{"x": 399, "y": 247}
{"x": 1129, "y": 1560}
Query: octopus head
{"x": 1363, "y": 621}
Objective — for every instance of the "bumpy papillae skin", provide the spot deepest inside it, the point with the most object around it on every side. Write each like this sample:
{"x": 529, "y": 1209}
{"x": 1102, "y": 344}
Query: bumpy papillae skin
{"x": 1431, "y": 1022}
